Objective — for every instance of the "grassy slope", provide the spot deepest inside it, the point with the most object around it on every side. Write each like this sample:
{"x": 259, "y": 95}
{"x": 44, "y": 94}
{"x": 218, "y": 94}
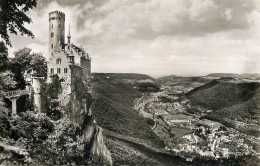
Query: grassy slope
{"x": 113, "y": 110}
{"x": 113, "y": 107}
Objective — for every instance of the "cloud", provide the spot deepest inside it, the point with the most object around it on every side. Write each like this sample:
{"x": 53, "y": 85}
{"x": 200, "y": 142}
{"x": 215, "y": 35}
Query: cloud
{"x": 152, "y": 18}
{"x": 38, "y": 48}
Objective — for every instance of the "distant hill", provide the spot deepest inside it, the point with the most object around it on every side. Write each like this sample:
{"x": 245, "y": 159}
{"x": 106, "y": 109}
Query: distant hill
{"x": 173, "y": 80}
{"x": 132, "y": 76}
{"x": 219, "y": 94}
{"x": 251, "y": 75}
{"x": 235, "y": 75}
{"x": 184, "y": 79}
{"x": 230, "y": 101}
{"x": 223, "y": 75}
{"x": 168, "y": 77}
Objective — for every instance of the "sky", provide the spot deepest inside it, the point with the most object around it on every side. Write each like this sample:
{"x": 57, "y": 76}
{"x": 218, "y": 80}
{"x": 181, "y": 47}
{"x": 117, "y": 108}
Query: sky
{"x": 156, "y": 37}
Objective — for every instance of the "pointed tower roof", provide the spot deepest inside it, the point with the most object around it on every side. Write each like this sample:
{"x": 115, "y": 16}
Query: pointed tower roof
{"x": 69, "y": 32}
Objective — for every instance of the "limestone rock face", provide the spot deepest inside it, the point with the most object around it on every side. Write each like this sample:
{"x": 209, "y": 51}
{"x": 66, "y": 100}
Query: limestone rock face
{"x": 99, "y": 149}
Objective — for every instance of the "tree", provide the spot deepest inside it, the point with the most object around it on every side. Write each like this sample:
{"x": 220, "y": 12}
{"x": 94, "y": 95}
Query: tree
{"x": 6, "y": 77}
{"x": 13, "y": 17}
{"x": 6, "y": 83}
{"x": 54, "y": 89}
{"x": 39, "y": 65}
{"x": 3, "y": 56}
{"x": 35, "y": 62}
{"x": 24, "y": 57}
{"x": 24, "y": 60}
{"x": 16, "y": 68}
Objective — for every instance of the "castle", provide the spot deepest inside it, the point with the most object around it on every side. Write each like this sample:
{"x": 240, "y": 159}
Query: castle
{"x": 72, "y": 65}
{"x": 67, "y": 60}
{"x": 69, "y": 64}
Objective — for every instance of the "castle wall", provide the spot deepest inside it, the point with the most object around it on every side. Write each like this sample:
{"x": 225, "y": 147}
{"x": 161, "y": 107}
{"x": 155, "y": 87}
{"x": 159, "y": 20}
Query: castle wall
{"x": 79, "y": 104}
{"x": 86, "y": 64}
{"x": 60, "y": 65}
{"x": 72, "y": 97}
{"x": 38, "y": 87}
{"x": 77, "y": 56}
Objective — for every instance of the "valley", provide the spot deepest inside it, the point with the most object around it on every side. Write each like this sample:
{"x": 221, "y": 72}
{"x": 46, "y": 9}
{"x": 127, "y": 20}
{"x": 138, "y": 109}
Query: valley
{"x": 143, "y": 117}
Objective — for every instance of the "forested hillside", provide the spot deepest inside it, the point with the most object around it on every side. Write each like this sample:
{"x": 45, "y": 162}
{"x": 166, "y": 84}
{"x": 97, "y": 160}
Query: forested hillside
{"x": 231, "y": 102}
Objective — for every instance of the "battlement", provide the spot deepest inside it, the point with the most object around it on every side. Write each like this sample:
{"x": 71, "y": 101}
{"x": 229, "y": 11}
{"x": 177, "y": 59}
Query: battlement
{"x": 56, "y": 15}
{"x": 57, "y": 12}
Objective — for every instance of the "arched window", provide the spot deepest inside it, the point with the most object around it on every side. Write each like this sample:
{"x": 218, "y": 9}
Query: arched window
{"x": 65, "y": 70}
{"x": 58, "y": 61}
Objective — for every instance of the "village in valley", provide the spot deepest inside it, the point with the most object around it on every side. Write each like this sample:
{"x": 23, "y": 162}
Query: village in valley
{"x": 187, "y": 133}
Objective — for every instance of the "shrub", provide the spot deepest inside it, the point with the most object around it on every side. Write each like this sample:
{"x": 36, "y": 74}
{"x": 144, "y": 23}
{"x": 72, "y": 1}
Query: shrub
{"x": 150, "y": 122}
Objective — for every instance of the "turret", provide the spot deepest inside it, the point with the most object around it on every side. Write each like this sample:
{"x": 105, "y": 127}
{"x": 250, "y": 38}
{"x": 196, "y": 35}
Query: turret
{"x": 37, "y": 86}
{"x": 56, "y": 30}
{"x": 69, "y": 37}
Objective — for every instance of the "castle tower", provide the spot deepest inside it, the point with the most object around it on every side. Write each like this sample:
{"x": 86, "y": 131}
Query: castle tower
{"x": 37, "y": 86}
{"x": 56, "y": 30}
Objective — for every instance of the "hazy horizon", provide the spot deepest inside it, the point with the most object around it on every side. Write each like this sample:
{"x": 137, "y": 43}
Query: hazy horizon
{"x": 171, "y": 74}
{"x": 157, "y": 38}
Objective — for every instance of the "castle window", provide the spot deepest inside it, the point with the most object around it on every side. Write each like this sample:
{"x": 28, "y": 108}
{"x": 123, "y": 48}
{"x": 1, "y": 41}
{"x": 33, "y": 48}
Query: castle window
{"x": 52, "y": 34}
{"x": 51, "y": 45}
{"x": 52, "y": 26}
{"x": 59, "y": 25}
{"x": 52, "y": 70}
{"x": 58, "y": 61}
{"x": 58, "y": 70}
{"x": 65, "y": 70}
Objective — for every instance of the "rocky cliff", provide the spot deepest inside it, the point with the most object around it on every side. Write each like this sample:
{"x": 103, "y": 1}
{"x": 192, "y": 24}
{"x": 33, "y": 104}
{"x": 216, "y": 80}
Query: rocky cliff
{"x": 33, "y": 138}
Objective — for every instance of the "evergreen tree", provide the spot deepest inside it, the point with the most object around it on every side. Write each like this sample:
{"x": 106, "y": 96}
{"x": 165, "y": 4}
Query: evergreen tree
{"x": 3, "y": 56}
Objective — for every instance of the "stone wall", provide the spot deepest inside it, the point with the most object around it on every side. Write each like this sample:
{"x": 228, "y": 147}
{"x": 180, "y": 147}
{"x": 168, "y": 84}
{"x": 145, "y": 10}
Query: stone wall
{"x": 74, "y": 85}
{"x": 80, "y": 99}
{"x": 38, "y": 87}
{"x": 86, "y": 64}
{"x": 61, "y": 62}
